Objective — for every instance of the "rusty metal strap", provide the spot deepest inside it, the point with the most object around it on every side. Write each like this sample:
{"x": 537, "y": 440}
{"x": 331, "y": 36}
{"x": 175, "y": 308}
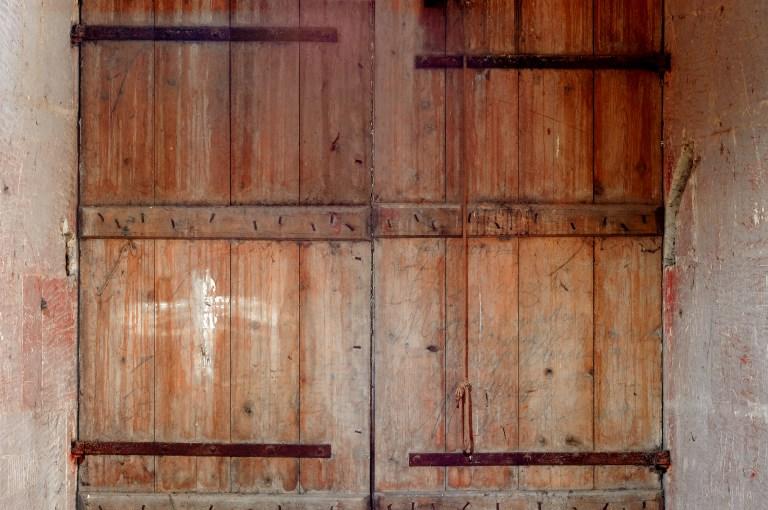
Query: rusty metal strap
{"x": 82, "y": 33}
{"x": 81, "y": 449}
{"x": 655, "y": 62}
{"x": 659, "y": 460}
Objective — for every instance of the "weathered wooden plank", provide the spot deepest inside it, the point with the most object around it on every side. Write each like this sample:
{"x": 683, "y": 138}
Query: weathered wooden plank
{"x": 491, "y": 134}
{"x": 627, "y": 354}
{"x": 493, "y": 336}
{"x": 117, "y": 363}
{"x": 337, "y": 104}
{"x": 522, "y": 500}
{"x": 192, "y": 115}
{"x": 556, "y": 26}
{"x": 117, "y": 110}
{"x": 192, "y": 352}
{"x": 236, "y": 222}
{"x": 335, "y": 364}
{"x": 556, "y": 136}
{"x": 627, "y": 137}
{"x": 417, "y": 220}
{"x": 265, "y": 107}
{"x": 627, "y": 27}
{"x": 564, "y": 220}
{"x": 409, "y": 343}
{"x": 410, "y": 104}
{"x": 265, "y": 360}
{"x": 556, "y": 383}
{"x": 113, "y": 501}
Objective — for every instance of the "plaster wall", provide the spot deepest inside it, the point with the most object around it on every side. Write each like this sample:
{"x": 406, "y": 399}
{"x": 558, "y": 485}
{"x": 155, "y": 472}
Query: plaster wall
{"x": 716, "y": 311}
{"x": 38, "y": 140}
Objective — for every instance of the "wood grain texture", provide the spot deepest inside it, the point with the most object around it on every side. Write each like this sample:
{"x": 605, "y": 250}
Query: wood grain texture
{"x": 337, "y": 104}
{"x": 186, "y": 501}
{"x": 409, "y": 343}
{"x": 265, "y": 360}
{"x": 556, "y": 26}
{"x": 421, "y": 220}
{"x": 117, "y": 110}
{"x": 627, "y": 355}
{"x": 265, "y": 108}
{"x": 410, "y": 104}
{"x": 235, "y": 222}
{"x": 493, "y": 346}
{"x": 564, "y": 220}
{"x": 192, "y": 349}
{"x": 556, "y": 382}
{"x": 627, "y": 137}
{"x": 627, "y": 27}
{"x": 481, "y": 26}
{"x": 556, "y": 136}
{"x": 117, "y": 363}
{"x": 490, "y": 134}
{"x": 522, "y": 500}
{"x": 335, "y": 364}
{"x": 192, "y": 114}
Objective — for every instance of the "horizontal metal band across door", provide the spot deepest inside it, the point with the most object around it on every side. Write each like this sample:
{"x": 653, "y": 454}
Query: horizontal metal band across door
{"x": 85, "y": 33}
{"x": 655, "y": 459}
{"x": 82, "y": 449}
{"x": 350, "y": 223}
{"x": 655, "y": 62}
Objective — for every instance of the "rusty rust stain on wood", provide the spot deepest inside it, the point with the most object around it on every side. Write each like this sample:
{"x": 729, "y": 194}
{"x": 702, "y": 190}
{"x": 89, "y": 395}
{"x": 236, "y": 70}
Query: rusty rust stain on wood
{"x": 310, "y": 451}
{"x": 90, "y": 33}
{"x": 656, "y": 459}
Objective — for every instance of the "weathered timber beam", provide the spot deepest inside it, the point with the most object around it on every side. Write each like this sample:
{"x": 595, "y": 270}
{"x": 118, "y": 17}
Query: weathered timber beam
{"x": 655, "y": 459}
{"x": 225, "y": 222}
{"x": 655, "y": 62}
{"x": 85, "y": 33}
{"x": 522, "y": 220}
{"x": 81, "y": 449}
{"x": 363, "y": 223}
{"x": 415, "y": 220}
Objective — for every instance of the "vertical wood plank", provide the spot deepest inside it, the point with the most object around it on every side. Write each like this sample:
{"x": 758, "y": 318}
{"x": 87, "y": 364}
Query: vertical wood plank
{"x": 556, "y": 136}
{"x": 493, "y": 335}
{"x": 192, "y": 117}
{"x": 117, "y": 109}
{"x": 193, "y": 359}
{"x": 556, "y": 383}
{"x": 627, "y": 355}
{"x": 409, "y": 340}
{"x": 265, "y": 360}
{"x": 556, "y": 26}
{"x": 335, "y": 364}
{"x": 410, "y": 104}
{"x": 265, "y": 108}
{"x": 627, "y": 27}
{"x": 491, "y": 134}
{"x": 337, "y": 104}
{"x": 627, "y": 137}
{"x": 117, "y": 363}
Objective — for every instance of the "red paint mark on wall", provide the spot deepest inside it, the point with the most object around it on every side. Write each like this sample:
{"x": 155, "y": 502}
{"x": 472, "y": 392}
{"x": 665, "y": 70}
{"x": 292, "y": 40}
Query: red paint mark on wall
{"x": 48, "y": 340}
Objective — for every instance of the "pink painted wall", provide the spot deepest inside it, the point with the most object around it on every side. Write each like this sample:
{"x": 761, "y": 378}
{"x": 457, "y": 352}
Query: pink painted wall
{"x": 38, "y": 138}
{"x": 716, "y": 348}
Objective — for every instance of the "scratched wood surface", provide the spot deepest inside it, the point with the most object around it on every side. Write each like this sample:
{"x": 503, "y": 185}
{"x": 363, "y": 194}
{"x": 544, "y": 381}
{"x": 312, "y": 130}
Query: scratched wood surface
{"x": 556, "y": 393}
{"x": 627, "y": 355}
{"x": 192, "y": 354}
{"x": 117, "y": 364}
{"x": 192, "y": 117}
{"x": 117, "y": 148}
{"x": 265, "y": 145}
{"x": 265, "y": 360}
{"x": 335, "y": 364}
{"x": 272, "y": 337}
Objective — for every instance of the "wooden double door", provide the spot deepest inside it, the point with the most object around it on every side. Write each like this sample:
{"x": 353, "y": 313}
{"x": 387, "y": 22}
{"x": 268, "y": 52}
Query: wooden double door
{"x": 300, "y": 241}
